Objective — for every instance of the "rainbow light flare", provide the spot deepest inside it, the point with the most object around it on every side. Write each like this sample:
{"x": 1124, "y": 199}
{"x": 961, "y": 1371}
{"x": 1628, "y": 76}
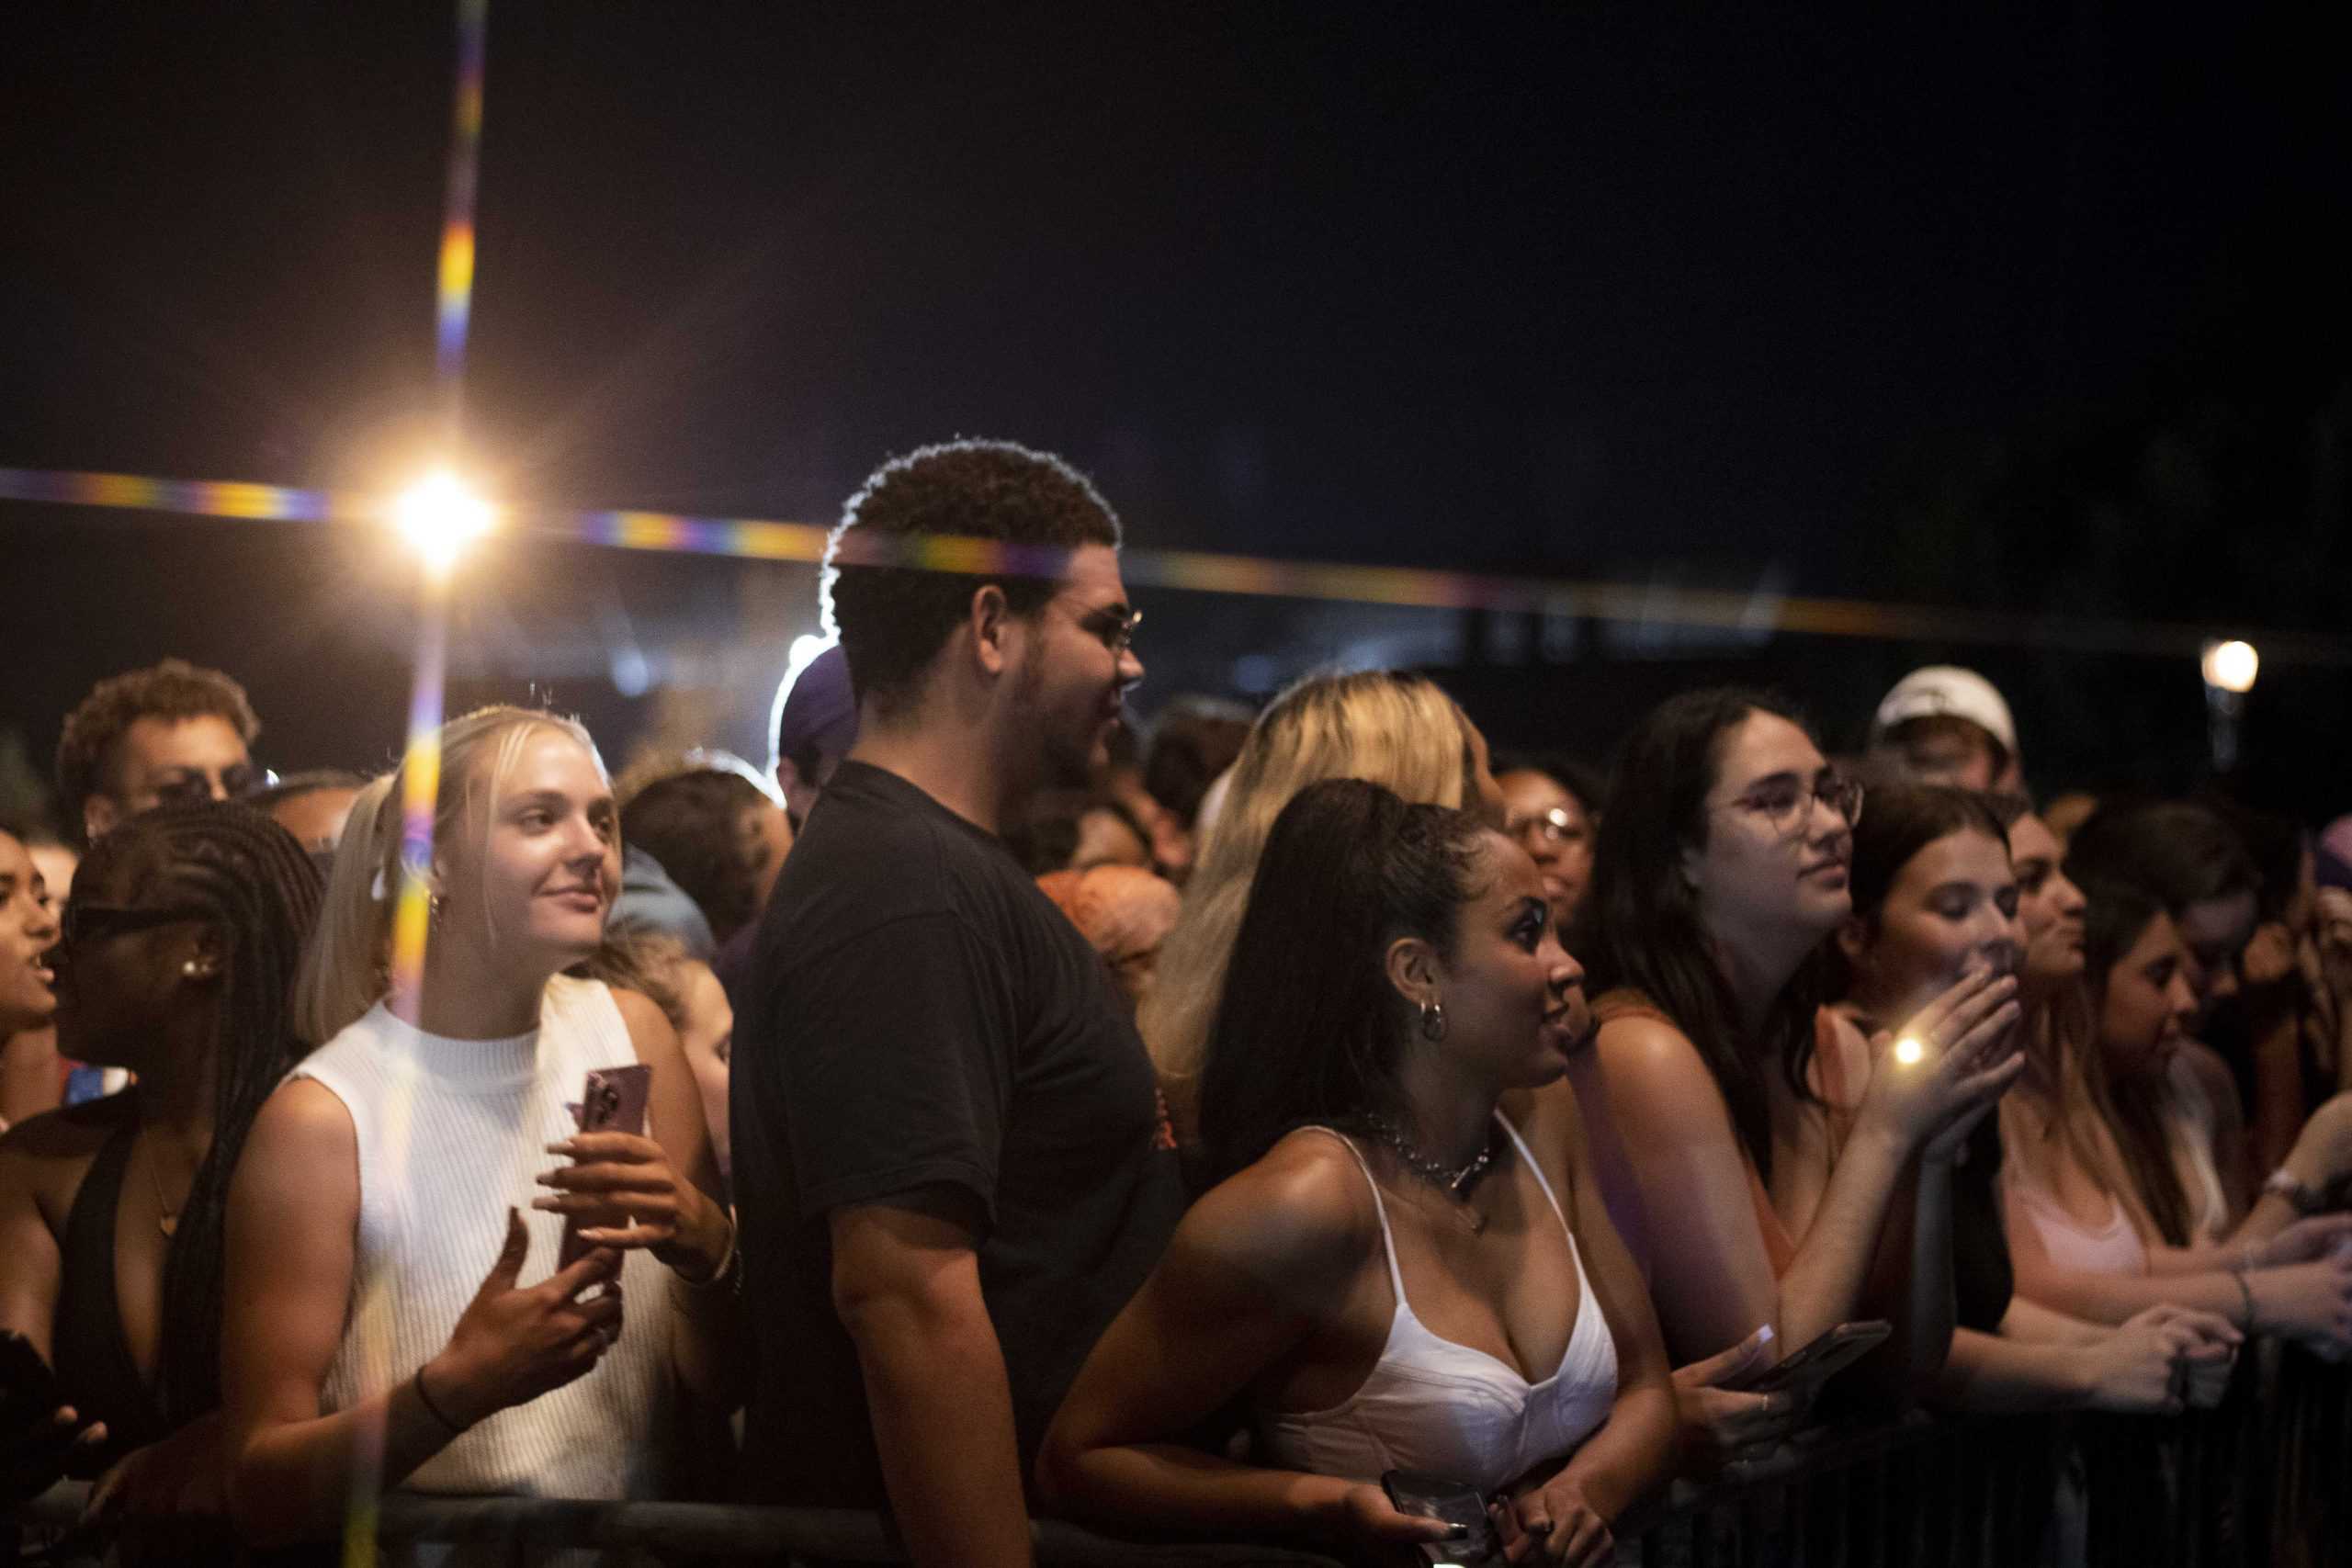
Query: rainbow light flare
{"x": 456, "y": 293}
{"x": 750, "y": 538}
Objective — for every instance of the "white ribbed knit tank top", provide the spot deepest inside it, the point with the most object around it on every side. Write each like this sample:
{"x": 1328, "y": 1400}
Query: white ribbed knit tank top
{"x": 452, "y": 1132}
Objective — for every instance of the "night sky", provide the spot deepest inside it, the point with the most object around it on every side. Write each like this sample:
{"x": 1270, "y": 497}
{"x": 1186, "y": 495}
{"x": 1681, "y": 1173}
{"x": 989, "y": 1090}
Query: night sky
{"x": 1568, "y": 289}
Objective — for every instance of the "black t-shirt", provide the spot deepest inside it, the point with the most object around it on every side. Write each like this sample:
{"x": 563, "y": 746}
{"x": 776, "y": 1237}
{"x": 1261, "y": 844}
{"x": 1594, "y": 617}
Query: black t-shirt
{"x": 919, "y": 1015}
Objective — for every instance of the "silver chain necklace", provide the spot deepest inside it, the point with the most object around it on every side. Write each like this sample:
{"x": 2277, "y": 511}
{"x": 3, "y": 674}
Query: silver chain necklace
{"x": 1454, "y": 1181}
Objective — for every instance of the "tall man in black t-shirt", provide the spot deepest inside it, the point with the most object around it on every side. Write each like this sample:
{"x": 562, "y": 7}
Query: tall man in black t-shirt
{"x": 949, "y": 1160}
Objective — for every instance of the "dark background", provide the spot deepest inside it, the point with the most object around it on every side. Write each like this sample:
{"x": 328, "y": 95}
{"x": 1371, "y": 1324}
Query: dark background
{"x": 2037, "y": 307}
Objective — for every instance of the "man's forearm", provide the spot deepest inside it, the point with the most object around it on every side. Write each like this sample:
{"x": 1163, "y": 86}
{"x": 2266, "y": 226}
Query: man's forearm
{"x": 943, "y": 1423}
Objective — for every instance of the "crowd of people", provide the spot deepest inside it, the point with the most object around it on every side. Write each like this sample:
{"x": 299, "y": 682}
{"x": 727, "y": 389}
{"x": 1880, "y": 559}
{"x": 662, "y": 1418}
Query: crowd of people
{"x": 1246, "y": 1129}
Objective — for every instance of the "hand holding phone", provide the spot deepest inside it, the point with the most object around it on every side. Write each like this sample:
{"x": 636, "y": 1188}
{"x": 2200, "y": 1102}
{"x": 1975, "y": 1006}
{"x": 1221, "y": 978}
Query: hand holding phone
{"x": 612, "y": 1101}
{"x": 622, "y": 1189}
{"x": 1813, "y": 1364}
{"x": 1455, "y": 1504}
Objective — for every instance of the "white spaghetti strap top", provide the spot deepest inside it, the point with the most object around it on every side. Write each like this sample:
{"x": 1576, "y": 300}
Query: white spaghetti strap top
{"x": 1432, "y": 1405}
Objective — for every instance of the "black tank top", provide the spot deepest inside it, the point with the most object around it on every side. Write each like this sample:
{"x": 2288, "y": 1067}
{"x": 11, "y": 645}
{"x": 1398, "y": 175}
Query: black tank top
{"x": 94, "y": 1363}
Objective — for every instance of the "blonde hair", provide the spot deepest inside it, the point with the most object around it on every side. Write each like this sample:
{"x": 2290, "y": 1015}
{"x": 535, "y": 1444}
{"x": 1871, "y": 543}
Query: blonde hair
{"x": 1395, "y": 729}
{"x": 344, "y": 968}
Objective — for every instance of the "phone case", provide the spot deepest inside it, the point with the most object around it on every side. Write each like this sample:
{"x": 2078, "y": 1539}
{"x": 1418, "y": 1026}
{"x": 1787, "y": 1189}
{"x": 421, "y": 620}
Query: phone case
{"x": 1457, "y": 1503}
{"x": 1828, "y": 1355}
{"x": 612, "y": 1101}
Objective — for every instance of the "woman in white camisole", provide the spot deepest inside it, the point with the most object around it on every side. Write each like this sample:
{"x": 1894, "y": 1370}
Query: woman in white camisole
{"x": 2081, "y": 1232}
{"x": 1385, "y": 1277}
{"x": 394, "y": 1225}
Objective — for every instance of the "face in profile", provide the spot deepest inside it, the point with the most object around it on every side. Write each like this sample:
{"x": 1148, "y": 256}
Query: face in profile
{"x": 2149, "y": 1003}
{"x": 27, "y": 930}
{"x": 1952, "y": 904}
{"x": 1777, "y": 842}
{"x": 1077, "y": 667}
{"x": 1513, "y": 998}
{"x": 174, "y": 760}
{"x": 1550, "y": 824}
{"x": 2050, "y": 908}
{"x": 133, "y": 961}
{"x": 535, "y": 874}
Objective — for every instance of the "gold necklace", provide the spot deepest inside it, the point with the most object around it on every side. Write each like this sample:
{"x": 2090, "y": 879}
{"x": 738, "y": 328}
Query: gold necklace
{"x": 167, "y": 1219}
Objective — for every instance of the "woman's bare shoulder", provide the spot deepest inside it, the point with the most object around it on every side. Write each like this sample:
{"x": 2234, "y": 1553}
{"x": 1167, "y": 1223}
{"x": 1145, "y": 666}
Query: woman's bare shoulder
{"x": 1301, "y": 1217}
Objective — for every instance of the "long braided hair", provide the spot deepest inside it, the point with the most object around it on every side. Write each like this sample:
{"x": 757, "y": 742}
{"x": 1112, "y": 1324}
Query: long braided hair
{"x": 259, "y": 891}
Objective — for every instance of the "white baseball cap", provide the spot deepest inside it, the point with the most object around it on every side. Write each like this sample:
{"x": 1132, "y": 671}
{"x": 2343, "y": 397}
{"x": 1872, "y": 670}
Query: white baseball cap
{"x": 1947, "y": 689}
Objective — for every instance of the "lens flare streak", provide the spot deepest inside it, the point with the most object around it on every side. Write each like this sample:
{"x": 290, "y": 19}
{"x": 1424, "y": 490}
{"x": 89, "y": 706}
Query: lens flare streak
{"x": 762, "y": 539}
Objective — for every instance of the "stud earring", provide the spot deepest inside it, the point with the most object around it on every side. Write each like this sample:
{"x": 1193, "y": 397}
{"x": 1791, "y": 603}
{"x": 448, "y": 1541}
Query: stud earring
{"x": 1432, "y": 1021}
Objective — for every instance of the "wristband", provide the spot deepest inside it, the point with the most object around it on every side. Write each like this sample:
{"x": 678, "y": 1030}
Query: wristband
{"x": 2245, "y": 1294}
{"x": 417, "y": 1382}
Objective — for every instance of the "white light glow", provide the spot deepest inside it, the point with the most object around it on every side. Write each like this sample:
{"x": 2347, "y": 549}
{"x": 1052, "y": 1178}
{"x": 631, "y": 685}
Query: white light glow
{"x": 1909, "y": 1052}
{"x": 440, "y": 516}
{"x": 2231, "y": 666}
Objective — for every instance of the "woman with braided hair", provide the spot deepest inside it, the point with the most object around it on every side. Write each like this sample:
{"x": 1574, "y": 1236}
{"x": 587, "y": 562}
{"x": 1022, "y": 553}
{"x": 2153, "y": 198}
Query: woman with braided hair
{"x": 178, "y": 954}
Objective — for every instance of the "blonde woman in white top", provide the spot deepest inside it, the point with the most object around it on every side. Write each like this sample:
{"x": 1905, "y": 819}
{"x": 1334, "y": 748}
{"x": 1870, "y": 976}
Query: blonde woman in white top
{"x": 385, "y": 1286}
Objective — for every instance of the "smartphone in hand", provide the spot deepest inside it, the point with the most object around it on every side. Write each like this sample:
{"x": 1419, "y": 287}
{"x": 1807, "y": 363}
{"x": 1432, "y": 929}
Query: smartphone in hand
{"x": 1829, "y": 1354}
{"x": 1428, "y": 1496}
{"x": 612, "y": 1101}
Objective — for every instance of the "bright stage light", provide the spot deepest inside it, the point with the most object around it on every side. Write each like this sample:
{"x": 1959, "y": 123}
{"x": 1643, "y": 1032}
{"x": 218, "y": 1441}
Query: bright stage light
{"x": 1909, "y": 1052}
{"x": 2231, "y": 666}
{"x": 441, "y": 517}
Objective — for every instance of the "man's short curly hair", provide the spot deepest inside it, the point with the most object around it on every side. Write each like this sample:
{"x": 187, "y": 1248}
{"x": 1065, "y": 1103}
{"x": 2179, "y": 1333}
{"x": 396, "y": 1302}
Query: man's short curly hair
{"x": 893, "y": 617}
{"x": 174, "y": 689}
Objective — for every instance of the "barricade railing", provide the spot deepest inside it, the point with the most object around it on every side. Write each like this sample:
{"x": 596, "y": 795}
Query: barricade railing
{"x": 2263, "y": 1481}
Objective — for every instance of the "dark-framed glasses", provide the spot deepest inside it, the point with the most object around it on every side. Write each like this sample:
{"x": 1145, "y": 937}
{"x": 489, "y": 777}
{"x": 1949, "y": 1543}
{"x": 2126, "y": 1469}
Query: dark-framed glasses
{"x": 1786, "y": 803}
{"x": 84, "y": 922}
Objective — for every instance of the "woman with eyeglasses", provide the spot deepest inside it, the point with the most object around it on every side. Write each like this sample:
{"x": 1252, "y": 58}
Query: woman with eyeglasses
{"x": 1720, "y": 867}
{"x": 1553, "y": 821}
{"x": 177, "y": 955}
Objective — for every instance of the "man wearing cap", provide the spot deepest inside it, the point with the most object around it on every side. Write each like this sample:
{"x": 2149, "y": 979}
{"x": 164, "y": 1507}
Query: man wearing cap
{"x": 816, "y": 724}
{"x": 1943, "y": 725}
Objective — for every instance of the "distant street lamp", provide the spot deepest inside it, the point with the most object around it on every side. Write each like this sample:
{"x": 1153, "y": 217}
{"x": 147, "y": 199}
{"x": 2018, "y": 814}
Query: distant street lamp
{"x": 2229, "y": 669}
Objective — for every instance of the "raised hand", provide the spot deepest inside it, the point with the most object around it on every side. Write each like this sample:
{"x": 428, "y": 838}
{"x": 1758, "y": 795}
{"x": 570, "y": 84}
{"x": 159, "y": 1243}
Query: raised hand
{"x": 513, "y": 1344}
{"x": 1967, "y": 1059}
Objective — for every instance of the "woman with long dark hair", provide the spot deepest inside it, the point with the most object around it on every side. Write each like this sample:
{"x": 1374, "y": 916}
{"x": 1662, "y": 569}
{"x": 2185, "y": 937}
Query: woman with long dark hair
{"x": 179, "y": 953}
{"x": 1720, "y": 870}
{"x": 1934, "y": 889}
{"x": 1386, "y": 1274}
{"x": 2099, "y": 1223}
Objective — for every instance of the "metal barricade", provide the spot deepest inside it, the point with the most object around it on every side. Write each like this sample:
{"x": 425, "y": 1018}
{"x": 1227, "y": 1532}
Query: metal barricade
{"x": 2265, "y": 1480}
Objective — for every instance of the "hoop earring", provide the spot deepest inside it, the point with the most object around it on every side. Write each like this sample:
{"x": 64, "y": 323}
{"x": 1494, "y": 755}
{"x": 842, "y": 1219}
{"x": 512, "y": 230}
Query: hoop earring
{"x": 1432, "y": 1021}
